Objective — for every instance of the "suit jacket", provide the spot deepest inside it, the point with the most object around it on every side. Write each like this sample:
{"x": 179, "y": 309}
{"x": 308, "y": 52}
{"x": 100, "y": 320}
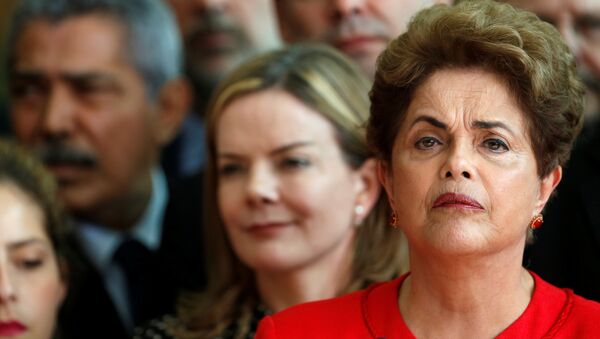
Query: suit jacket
{"x": 88, "y": 311}
{"x": 374, "y": 313}
{"x": 567, "y": 249}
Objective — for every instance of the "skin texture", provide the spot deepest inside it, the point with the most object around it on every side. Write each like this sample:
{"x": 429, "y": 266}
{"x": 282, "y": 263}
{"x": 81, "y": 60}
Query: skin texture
{"x": 359, "y": 28}
{"x": 31, "y": 289}
{"x": 73, "y": 88}
{"x": 579, "y": 23}
{"x": 287, "y": 197}
{"x": 220, "y": 34}
{"x": 465, "y": 134}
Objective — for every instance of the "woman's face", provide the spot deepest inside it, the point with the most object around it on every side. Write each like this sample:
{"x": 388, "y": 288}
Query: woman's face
{"x": 463, "y": 176}
{"x": 31, "y": 289}
{"x": 286, "y": 196}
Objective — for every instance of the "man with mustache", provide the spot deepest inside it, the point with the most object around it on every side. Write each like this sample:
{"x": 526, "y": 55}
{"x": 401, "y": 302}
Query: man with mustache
{"x": 218, "y": 35}
{"x": 359, "y": 28}
{"x": 567, "y": 251}
{"x": 96, "y": 91}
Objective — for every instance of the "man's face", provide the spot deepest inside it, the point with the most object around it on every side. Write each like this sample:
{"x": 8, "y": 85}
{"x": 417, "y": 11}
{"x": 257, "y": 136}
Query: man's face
{"x": 78, "y": 102}
{"x": 220, "y": 34}
{"x": 361, "y": 28}
{"x": 579, "y": 23}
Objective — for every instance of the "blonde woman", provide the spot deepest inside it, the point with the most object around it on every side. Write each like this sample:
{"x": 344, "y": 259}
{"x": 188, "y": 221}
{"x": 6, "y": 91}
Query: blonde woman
{"x": 294, "y": 194}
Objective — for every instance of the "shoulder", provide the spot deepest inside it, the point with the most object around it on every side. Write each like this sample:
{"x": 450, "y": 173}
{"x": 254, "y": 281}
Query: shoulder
{"x": 577, "y": 318}
{"x": 159, "y": 328}
{"x": 341, "y": 317}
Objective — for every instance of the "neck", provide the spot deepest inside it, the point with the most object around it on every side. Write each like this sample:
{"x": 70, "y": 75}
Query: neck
{"x": 124, "y": 212}
{"x": 468, "y": 296}
{"x": 323, "y": 279}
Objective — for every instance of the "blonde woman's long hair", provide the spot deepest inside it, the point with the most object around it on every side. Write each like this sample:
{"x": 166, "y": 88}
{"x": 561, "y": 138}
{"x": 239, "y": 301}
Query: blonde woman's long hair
{"x": 333, "y": 86}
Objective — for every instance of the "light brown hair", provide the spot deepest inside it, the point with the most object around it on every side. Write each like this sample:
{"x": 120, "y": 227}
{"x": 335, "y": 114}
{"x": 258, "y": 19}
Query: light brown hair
{"x": 526, "y": 52}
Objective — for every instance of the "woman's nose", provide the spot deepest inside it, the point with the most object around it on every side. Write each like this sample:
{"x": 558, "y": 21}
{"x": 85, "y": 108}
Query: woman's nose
{"x": 262, "y": 186}
{"x": 7, "y": 288}
{"x": 459, "y": 161}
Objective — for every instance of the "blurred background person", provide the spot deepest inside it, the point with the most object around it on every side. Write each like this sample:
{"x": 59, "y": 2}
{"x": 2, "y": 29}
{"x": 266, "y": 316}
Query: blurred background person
{"x": 473, "y": 112}
{"x": 359, "y": 28}
{"x": 567, "y": 251}
{"x": 33, "y": 253}
{"x": 218, "y": 36}
{"x": 296, "y": 205}
{"x": 95, "y": 92}
{"x": 6, "y": 9}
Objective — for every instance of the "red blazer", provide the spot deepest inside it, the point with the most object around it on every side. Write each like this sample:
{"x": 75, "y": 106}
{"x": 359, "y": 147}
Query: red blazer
{"x": 373, "y": 313}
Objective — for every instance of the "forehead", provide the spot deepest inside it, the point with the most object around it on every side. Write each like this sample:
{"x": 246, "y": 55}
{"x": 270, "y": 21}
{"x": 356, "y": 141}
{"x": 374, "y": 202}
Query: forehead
{"x": 472, "y": 93}
{"x": 78, "y": 43}
{"x": 552, "y": 8}
{"x": 268, "y": 118}
{"x": 20, "y": 216}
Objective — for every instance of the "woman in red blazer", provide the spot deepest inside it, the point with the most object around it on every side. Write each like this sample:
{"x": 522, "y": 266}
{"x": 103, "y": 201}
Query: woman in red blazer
{"x": 474, "y": 111}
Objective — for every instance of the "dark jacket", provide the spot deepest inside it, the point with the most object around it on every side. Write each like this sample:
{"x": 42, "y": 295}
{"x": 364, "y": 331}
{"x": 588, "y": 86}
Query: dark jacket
{"x": 88, "y": 311}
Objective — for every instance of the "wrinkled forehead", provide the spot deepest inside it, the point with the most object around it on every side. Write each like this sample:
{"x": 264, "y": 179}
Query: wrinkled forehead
{"x": 554, "y": 8}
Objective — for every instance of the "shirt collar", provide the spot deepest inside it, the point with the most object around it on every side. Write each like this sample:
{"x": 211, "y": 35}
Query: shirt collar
{"x": 100, "y": 243}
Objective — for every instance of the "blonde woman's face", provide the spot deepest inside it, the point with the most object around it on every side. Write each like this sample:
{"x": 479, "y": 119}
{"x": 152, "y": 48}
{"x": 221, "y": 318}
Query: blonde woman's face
{"x": 463, "y": 175}
{"x": 31, "y": 289}
{"x": 285, "y": 194}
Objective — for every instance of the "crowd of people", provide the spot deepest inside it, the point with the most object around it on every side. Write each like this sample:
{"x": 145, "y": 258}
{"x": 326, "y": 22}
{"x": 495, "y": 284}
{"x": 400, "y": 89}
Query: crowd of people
{"x": 301, "y": 169}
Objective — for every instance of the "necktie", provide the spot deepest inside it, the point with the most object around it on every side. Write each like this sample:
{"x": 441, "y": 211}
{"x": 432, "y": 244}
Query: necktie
{"x": 135, "y": 261}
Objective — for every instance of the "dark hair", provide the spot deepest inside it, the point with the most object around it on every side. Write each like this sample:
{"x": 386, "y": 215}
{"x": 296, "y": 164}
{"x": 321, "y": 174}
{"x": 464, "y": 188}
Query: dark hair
{"x": 526, "y": 52}
{"x": 19, "y": 168}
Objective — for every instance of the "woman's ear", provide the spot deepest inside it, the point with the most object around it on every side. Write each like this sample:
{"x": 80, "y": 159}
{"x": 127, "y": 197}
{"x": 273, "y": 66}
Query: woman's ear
{"x": 383, "y": 174}
{"x": 367, "y": 186}
{"x": 547, "y": 186}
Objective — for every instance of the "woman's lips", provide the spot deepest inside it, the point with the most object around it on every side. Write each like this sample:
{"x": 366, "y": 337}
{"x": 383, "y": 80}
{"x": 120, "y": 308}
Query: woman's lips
{"x": 266, "y": 228}
{"x": 11, "y": 328}
{"x": 454, "y": 200}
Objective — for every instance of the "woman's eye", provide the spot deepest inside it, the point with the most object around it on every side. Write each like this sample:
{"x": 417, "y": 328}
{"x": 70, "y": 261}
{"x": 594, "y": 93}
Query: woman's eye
{"x": 229, "y": 169}
{"x": 496, "y": 145}
{"x": 295, "y": 163}
{"x": 30, "y": 264}
{"x": 426, "y": 143}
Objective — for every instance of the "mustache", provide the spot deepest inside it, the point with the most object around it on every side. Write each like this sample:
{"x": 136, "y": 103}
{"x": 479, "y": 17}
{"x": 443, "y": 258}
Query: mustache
{"x": 357, "y": 25}
{"x": 60, "y": 154}
{"x": 213, "y": 21}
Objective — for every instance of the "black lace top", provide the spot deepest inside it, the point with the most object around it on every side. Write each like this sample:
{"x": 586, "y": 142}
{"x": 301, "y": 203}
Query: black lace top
{"x": 160, "y": 328}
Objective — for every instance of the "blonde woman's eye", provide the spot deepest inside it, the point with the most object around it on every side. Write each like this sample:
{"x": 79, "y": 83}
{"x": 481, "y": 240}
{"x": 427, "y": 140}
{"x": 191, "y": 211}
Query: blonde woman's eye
{"x": 295, "y": 162}
{"x": 229, "y": 169}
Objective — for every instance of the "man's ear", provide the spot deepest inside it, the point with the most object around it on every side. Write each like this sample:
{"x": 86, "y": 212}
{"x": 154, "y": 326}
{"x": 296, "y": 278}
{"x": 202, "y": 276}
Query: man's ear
{"x": 547, "y": 186}
{"x": 174, "y": 102}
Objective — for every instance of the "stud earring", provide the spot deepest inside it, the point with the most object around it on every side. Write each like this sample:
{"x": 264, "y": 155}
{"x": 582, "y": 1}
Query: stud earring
{"x": 394, "y": 220}
{"x": 358, "y": 211}
{"x": 536, "y": 222}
